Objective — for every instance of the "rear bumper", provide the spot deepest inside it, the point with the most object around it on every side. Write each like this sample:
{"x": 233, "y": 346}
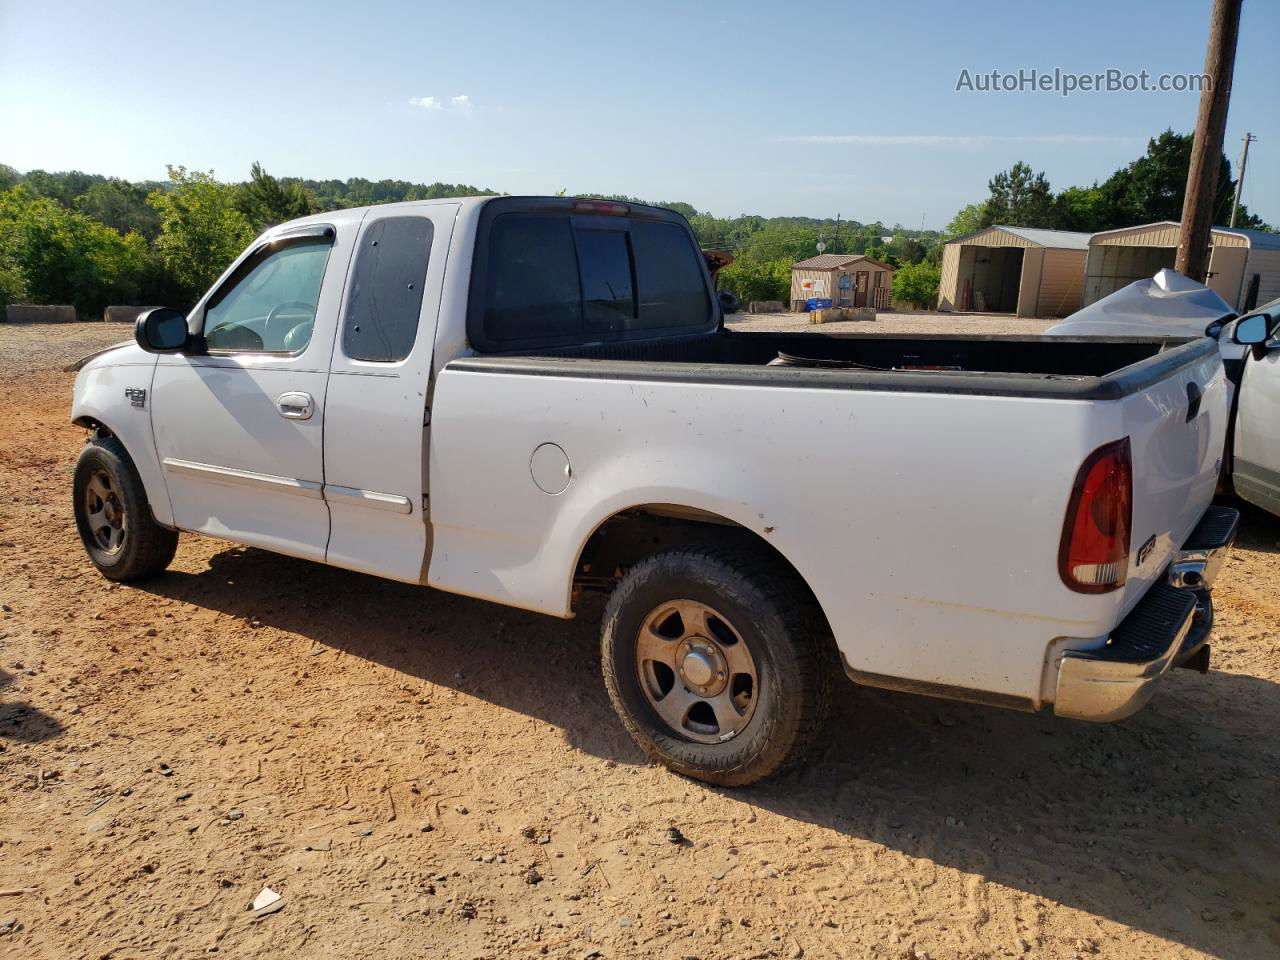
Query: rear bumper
{"x": 1169, "y": 626}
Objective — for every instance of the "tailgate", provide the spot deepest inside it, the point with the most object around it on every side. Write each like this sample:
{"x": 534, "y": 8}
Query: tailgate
{"x": 1176, "y": 427}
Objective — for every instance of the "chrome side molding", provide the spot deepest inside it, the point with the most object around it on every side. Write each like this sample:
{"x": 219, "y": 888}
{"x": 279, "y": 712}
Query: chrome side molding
{"x": 233, "y": 477}
{"x": 368, "y": 498}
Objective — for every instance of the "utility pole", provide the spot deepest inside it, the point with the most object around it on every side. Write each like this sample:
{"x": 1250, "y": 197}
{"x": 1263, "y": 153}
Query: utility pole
{"x": 1206, "y": 149}
{"x": 1244, "y": 160}
{"x": 835, "y": 243}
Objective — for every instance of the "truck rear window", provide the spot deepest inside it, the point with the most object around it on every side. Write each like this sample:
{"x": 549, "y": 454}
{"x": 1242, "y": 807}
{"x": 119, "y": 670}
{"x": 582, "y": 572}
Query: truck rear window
{"x": 554, "y": 278}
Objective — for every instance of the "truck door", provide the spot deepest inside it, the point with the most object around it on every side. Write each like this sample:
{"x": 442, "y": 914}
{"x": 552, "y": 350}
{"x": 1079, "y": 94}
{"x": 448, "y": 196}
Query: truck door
{"x": 1256, "y": 454}
{"x": 375, "y": 431}
{"x": 238, "y": 427}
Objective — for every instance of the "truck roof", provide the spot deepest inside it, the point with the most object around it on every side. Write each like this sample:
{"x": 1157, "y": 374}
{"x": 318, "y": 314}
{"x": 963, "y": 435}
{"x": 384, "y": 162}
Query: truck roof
{"x": 349, "y": 214}
{"x": 467, "y": 205}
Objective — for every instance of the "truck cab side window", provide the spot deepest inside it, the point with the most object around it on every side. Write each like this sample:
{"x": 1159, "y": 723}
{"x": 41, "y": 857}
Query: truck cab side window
{"x": 386, "y": 289}
{"x": 269, "y": 304}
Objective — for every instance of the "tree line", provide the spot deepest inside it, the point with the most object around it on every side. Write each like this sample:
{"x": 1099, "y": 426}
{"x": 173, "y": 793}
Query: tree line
{"x": 1149, "y": 189}
{"x": 90, "y": 240}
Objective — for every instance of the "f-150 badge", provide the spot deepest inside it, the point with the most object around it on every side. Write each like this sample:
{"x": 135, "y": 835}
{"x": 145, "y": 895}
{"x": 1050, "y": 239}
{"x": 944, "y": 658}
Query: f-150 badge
{"x": 137, "y": 396}
{"x": 1144, "y": 551}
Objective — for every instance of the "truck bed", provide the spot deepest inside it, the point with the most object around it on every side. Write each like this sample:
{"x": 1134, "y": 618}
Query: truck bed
{"x": 1051, "y": 367}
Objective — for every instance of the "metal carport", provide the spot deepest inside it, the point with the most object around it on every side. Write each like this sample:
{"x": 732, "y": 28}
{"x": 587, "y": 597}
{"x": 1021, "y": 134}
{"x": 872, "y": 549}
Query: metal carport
{"x": 1025, "y": 271}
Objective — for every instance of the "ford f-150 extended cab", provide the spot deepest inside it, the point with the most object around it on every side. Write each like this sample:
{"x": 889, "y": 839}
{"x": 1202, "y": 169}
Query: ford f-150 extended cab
{"x": 519, "y": 399}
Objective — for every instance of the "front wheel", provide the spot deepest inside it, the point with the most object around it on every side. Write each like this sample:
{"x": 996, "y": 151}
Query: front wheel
{"x": 718, "y": 662}
{"x": 113, "y": 514}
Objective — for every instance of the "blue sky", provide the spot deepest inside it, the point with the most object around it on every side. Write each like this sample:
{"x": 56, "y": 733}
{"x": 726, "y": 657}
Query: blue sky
{"x": 743, "y": 107}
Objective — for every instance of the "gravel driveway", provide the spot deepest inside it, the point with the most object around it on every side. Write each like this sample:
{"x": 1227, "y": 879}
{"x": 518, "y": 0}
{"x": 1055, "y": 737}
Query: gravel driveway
{"x": 423, "y": 775}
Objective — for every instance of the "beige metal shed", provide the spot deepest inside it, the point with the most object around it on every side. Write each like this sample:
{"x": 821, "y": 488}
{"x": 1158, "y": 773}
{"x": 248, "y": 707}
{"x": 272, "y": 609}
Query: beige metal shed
{"x": 1025, "y": 271}
{"x": 846, "y": 279}
{"x": 1244, "y": 265}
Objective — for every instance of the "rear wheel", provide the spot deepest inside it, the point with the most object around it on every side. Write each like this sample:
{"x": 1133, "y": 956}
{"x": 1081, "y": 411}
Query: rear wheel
{"x": 718, "y": 662}
{"x": 113, "y": 515}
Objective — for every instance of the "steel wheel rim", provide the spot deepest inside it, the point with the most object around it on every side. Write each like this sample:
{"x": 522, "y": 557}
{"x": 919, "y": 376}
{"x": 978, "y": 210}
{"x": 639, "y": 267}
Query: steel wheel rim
{"x": 104, "y": 512}
{"x": 696, "y": 671}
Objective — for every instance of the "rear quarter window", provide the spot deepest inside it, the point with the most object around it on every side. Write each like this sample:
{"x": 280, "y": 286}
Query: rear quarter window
{"x": 381, "y": 321}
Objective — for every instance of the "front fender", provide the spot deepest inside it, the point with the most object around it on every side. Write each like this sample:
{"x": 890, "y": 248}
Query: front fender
{"x": 117, "y": 397}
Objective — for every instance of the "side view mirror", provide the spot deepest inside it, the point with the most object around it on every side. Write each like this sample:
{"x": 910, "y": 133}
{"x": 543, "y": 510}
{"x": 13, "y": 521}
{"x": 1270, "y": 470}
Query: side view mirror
{"x": 161, "y": 330}
{"x": 1253, "y": 329}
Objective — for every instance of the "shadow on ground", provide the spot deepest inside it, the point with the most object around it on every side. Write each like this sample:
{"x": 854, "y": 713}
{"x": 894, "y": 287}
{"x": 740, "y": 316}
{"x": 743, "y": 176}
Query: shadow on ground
{"x": 22, "y": 722}
{"x": 1259, "y": 530}
{"x": 1166, "y": 822}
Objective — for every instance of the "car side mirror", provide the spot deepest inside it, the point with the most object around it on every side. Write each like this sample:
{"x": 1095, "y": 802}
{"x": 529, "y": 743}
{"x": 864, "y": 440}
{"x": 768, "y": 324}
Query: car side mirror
{"x": 161, "y": 330}
{"x": 1252, "y": 329}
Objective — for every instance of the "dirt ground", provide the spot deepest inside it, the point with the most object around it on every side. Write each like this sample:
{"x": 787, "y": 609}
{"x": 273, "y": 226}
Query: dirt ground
{"x": 421, "y": 775}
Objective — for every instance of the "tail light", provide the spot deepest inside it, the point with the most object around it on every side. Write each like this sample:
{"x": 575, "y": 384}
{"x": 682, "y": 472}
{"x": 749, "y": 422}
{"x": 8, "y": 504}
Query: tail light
{"x": 1094, "y": 554}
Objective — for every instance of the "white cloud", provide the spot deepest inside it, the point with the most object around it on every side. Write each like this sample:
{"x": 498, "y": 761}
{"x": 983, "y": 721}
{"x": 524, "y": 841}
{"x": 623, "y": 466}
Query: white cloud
{"x": 462, "y": 102}
{"x": 426, "y": 103}
{"x": 949, "y": 140}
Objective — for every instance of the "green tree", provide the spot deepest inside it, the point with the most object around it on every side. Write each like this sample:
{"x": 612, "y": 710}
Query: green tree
{"x": 880, "y": 254}
{"x": 968, "y": 219}
{"x": 1081, "y": 208}
{"x": 62, "y": 187}
{"x": 122, "y": 206}
{"x": 916, "y": 284}
{"x": 753, "y": 279}
{"x": 201, "y": 228}
{"x": 58, "y": 255}
{"x": 267, "y": 201}
{"x": 712, "y": 232}
{"x": 13, "y": 285}
{"x": 904, "y": 249}
{"x": 1019, "y": 198}
{"x": 1154, "y": 186}
{"x": 781, "y": 242}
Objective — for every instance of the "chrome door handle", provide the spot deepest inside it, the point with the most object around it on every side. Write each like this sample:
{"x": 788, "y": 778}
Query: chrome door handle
{"x": 296, "y": 405}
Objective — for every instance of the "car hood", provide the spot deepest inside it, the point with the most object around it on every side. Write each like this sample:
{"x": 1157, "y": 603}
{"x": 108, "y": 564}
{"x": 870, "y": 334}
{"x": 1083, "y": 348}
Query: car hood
{"x": 1168, "y": 304}
{"x": 126, "y": 352}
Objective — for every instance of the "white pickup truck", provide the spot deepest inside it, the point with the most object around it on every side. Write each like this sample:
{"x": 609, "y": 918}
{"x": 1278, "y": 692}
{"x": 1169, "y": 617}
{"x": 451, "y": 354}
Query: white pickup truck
{"x": 1254, "y": 441}
{"x": 519, "y": 399}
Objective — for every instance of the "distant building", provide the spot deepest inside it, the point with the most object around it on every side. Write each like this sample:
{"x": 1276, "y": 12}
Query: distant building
{"x": 846, "y": 279}
{"x": 1025, "y": 271}
{"x": 1244, "y": 265}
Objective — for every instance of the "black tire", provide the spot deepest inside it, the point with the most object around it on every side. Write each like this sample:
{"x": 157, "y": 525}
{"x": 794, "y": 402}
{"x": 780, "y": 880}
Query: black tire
{"x": 787, "y": 638}
{"x": 145, "y": 548}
